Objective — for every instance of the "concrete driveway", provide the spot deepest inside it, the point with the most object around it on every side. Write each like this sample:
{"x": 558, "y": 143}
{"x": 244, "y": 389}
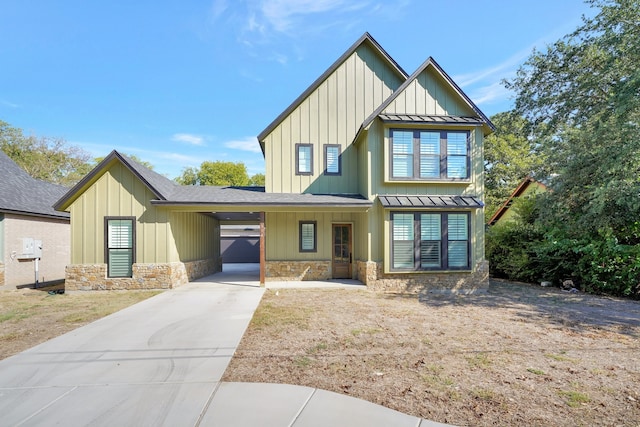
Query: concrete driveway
{"x": 159, "y": 363}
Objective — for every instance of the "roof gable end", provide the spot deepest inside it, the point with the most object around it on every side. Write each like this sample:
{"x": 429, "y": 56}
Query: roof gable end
{"x": 366, "y": 38}
{"x": 159, "y": 185}
{"x": 430, "y": 64}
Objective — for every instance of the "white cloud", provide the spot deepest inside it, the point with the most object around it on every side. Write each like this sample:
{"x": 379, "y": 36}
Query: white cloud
{"x": 218, "y": 8}
{"x": 280, "y": 13}
{"x": 491, "y": 93}
{"x": 188, "y": 138}
{"x": 249, "y": 143}
{"x": 8, "y": 104}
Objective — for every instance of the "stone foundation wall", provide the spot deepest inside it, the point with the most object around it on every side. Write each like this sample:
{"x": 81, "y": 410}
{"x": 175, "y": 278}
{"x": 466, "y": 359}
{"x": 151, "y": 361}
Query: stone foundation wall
{"x": 93, "y": 277}
{"x": 202, "y": 268}
{"x": 372, "y": 274}
{"x": 297, "y": 270}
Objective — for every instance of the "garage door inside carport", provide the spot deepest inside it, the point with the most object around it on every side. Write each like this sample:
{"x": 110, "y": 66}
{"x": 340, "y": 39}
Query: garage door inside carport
{"x": 239, "y": 237}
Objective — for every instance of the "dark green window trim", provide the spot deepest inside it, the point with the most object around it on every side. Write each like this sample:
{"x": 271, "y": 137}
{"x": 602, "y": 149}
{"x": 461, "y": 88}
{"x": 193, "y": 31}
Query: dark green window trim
{"x": 119, "y": 249}
{"x": 441, "y": 250}
{"x": 407, "y": 154}
{"x": 308, "y": 236}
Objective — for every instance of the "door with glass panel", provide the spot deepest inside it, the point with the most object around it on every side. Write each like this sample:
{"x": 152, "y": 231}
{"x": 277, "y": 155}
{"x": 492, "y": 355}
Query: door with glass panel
{"x": 341, "y": 258}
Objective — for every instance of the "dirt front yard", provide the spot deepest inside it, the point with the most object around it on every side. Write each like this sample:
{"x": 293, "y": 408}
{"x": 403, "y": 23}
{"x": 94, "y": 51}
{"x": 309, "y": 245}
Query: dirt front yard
{"x": 517, "y": 355}
{"x": 29, "y": 317}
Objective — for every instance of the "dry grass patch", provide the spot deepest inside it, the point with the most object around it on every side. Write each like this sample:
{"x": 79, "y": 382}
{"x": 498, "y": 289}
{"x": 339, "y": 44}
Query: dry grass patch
{"x": 29, "y": 317}
{"x": 518, "y": 355}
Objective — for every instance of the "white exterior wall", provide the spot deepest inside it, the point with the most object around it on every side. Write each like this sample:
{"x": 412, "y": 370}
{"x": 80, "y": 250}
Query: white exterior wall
{"x": 55, "y": 237}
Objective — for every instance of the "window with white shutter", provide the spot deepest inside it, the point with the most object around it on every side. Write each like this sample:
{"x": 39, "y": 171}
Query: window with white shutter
{"x": 429, "y": 154}
{"x": 308, "y": 235}
{"x": 332, "y": 159}
{"x": 120, "y": 238}
{"x": 430, "y": 241}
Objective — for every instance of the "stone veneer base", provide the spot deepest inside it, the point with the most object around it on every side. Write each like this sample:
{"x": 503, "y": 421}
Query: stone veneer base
{"x": 372, "y": 274}
{"x": 93, "y": 277}
{"x": 285, "y": 271}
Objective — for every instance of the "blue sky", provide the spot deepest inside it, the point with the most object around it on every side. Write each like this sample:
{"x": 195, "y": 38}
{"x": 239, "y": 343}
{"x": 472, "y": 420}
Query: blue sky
{"x": 177, "y": 82}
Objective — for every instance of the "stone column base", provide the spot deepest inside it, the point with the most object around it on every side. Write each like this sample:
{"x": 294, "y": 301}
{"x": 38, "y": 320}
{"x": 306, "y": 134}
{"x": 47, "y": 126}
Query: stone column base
{"x": 284, "y": 271}
{"x": 372, "y": 274}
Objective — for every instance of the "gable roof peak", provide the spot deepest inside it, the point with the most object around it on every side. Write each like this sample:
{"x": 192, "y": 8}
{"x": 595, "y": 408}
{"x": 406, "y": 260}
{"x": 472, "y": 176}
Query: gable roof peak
{"x": 430, "y": 62}
{"x": 365, "y": 38}
{"x": 161, "y": 186}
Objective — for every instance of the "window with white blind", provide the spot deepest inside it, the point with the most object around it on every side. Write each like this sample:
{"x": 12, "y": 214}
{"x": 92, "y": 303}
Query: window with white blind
{"x": 332, "y": 159}
{"x": 308, "y": 235}
{"x": 120, "y": 243}
{"x": 304, "y": 159}
{"x": 430, "y": 241}
{"x": 429, "y": 154}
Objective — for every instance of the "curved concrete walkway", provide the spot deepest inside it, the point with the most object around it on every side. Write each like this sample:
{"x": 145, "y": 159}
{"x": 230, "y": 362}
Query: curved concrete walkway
{"x": 159, "y": 363}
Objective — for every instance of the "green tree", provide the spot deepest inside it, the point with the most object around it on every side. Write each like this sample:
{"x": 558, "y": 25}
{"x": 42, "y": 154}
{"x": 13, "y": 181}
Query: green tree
{"x": 45, "y": 158}
{"x": 257, "y": 180}
{"x": 583, "y": 96}
{"x": 510, "y": 155}
{"x": 215, "y": 173}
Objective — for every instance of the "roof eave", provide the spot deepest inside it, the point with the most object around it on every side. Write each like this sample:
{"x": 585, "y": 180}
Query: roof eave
{"x": 36, "y": 214}
{"x": 70, "y": 196}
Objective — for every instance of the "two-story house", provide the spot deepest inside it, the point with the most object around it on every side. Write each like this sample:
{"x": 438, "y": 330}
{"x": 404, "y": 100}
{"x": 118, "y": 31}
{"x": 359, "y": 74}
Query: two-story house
{"x": 371, "y": 174}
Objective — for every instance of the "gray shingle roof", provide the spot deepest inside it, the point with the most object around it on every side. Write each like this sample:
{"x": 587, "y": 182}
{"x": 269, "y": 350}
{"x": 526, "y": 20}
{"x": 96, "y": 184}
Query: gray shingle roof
{"x": 422, "y": 202}
{"x": 170, "y": 193}
{"x": 20, "y": 193}
{"x": 256, "y": 196}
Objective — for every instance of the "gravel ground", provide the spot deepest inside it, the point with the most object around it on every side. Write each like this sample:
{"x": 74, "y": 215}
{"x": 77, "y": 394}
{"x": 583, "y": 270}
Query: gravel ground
{"x": 516, "y": 355}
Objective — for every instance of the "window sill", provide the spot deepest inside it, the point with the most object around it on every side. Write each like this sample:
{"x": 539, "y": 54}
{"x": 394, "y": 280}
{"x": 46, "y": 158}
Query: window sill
{"x": 429, "y": 181}
{"x": 387, "y": 271}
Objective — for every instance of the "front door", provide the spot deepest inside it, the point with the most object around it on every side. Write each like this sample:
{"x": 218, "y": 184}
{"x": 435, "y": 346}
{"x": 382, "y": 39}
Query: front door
{"x": 341, "y": 261}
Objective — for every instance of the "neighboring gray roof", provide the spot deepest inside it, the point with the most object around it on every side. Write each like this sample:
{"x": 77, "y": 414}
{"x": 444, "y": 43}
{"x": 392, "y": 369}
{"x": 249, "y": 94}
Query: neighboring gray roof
{"x": 22, "y": 194}
{"x": 447, "y": 202}
{"x": 365, "y": 37}
{"x": 419, "y": 118}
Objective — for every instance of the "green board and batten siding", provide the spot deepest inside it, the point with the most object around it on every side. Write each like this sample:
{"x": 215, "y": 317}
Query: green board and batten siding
{"x": 118, "y": 192}
{"x": 331, "y": 114}
{"x": 282, "y": 234}
{"x": 428, "y": 94}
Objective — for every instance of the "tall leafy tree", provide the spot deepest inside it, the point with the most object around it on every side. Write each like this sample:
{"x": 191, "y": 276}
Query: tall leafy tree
{"x": 45, "y": 158}
{"x": 510, "y": 155}
{"x": 257, "y": 180}
{"x": 215, "y": 173}
{"x": 583, "y": 94}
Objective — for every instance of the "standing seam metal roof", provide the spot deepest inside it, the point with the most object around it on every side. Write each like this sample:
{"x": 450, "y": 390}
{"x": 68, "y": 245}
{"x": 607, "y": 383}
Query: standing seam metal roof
{"x": 431, "y": 201}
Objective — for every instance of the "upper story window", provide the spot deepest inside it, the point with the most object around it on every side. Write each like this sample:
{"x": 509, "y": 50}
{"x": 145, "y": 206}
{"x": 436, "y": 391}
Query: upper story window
{"x": 332, "y": 159}
{"x": 429, "y": 154}
{"x": 304, "y": 159}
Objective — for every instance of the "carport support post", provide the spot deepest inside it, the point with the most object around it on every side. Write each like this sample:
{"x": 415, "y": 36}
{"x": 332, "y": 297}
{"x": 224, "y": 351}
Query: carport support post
{"x": 263, "y": 258}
